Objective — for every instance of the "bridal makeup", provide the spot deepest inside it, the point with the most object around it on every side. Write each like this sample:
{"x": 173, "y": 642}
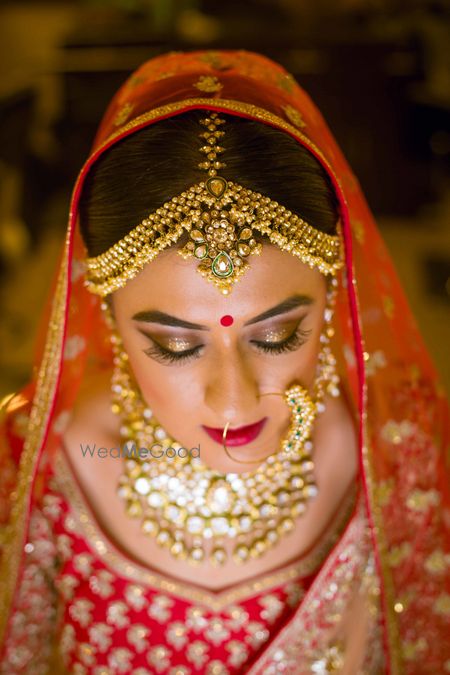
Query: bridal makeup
{"x": 202, "y": 361}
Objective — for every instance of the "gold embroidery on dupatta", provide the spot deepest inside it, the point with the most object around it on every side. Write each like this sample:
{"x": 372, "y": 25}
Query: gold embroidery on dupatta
{"x": 437, "y": 562}
{"x": 301, "y": 643}
{"x": 404, "y": 601}
{"x": 388, "y": 585}
{"x": 29, "y": 648}
{"x": 123, "y": 114}
{"x": 287, "y": 82}
{"x": 331, "y": 661}
{"x": 4, "y": 403}
{"x": 294, "y": 116}
{"x": 209, "y": 84}
{"x": 39, "y": 415}
{"x": 399, "y": 553}
{"x": 442, "y": 604}
{"x": 374, "y": 509}
{"x": 384, "y": 491}
{"x": 421, "y": 500}
{"x": 411, "y": 650}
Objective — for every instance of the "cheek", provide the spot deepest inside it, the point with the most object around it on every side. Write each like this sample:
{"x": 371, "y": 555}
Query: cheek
{"x": 170, "y": 391}
{"x": 303, "y": 362}
{"x": 163, "y": 387}
{"x": 147, "y": 375}
{"x": 310, "y": 360}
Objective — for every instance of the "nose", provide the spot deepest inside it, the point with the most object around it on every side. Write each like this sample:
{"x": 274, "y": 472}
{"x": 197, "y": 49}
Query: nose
{"x": 232, "y": 391}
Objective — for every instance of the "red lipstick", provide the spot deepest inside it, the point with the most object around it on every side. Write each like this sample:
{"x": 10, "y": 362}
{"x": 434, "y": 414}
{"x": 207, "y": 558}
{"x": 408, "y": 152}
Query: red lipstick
{"x": 239, "y": 436}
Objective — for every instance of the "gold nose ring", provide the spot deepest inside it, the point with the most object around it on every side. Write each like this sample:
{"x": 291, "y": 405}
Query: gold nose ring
{"x": 249, "y": 461}
{"x": 240, "y": 461}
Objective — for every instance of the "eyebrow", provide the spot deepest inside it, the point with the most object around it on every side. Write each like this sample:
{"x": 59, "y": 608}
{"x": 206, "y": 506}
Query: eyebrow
{"x": 155, "y": 316}
{"x": 287, "y": 305}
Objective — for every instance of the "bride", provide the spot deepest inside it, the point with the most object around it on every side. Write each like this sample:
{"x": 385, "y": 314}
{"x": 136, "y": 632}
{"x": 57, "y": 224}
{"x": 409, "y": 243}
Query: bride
{"x": 231, "y": 456}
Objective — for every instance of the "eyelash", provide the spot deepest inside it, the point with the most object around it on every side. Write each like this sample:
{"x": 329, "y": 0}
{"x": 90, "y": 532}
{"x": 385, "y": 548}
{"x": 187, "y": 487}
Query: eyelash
{"x": 166, "y": 355}
{"x": 290, "y": 344}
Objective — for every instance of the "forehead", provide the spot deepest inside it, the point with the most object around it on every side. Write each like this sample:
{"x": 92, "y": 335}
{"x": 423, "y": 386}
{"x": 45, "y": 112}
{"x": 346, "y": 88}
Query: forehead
{"x": 173, "y": 284}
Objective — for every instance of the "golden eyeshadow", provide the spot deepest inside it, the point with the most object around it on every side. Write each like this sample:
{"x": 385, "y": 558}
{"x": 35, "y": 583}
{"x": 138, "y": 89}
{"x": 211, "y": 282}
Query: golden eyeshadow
{"x": 274, "y": 335}
{"x": 177, "y": 344}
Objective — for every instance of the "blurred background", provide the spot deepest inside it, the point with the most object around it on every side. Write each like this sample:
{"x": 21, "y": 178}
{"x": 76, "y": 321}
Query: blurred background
{"x": 378, "y": 69}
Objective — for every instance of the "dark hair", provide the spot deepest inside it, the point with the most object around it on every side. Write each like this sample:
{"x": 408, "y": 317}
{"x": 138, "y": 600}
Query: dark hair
{"x": 141, "y": 172}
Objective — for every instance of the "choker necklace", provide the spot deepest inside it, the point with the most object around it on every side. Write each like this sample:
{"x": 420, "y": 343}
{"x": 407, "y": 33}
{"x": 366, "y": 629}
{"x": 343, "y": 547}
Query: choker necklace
{"x": 192, "y": 510}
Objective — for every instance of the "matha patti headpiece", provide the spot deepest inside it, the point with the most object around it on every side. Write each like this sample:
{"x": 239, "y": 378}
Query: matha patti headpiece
{"x": 222, "y": 219}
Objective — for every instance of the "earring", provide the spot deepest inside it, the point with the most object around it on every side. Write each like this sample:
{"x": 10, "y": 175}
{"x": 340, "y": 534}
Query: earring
{"x": 327, "y": 380}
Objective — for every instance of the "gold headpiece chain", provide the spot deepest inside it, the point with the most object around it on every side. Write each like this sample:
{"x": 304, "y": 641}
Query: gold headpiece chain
{"x": 221, "y": 218}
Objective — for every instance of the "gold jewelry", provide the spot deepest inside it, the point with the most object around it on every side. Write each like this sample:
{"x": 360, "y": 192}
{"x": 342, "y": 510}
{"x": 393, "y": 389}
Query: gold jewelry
{"x": 239, "y": 461}
{"x": 222, "y": 218}
{"x": 190, "y": 509}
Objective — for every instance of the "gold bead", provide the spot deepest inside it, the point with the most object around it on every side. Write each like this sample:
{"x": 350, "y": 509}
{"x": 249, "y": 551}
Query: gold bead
{"x": 218, "y": 556}
{"x": 179, "y": 550}
{"x": 134, "y": 509}
{"x": 241, "y": 553}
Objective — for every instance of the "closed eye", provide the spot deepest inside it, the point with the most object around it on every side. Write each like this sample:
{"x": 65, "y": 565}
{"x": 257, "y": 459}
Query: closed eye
{"x": 290, "y": 344}
{"x": 164, "y": 355}
{"x": 160, "y": 353}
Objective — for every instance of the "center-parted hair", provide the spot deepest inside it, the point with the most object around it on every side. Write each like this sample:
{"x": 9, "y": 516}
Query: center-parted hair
{"x": 141, "y": 172}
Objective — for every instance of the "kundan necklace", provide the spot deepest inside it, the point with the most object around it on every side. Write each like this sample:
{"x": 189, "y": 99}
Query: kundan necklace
{"x": 190, "y": 509}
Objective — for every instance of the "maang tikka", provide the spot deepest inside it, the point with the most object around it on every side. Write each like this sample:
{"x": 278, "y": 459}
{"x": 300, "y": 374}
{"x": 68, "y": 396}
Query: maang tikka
{"x": 222, "y": 238}
{"x": 192, "y": 510}
{"x": 222, "y": 219}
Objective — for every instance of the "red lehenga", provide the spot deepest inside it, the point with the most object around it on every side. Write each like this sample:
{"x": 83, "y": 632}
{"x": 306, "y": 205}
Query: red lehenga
{"x": 73, "y": 603}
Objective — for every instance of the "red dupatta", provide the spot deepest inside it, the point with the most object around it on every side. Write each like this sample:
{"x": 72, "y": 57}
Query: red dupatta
{"x": 400, "y": 406}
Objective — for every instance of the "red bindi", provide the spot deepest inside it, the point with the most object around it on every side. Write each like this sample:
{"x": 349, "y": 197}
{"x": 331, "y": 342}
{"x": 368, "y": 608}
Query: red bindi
{"x": 226, "y": 320}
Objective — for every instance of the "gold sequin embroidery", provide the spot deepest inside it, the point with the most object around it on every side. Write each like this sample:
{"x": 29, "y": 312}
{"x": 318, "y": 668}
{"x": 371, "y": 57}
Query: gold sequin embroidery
{"x": 123, "y": 114}
{"x": 294, "y": 116}
{"x": 208, "y": 84}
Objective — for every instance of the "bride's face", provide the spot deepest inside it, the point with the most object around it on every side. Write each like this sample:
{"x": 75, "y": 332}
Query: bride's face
{"x": 194, "y": 372}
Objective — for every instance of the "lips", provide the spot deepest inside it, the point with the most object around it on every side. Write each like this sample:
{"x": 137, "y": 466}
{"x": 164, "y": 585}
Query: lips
{"x": 239, "y": 436}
